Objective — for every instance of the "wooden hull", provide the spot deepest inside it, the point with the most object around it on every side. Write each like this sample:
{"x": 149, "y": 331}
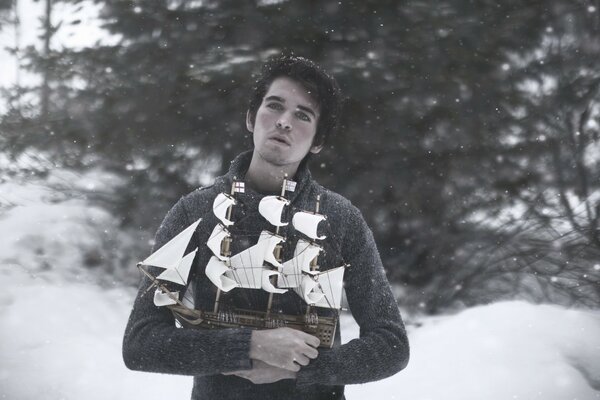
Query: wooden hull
{"x": 319, "y": 326}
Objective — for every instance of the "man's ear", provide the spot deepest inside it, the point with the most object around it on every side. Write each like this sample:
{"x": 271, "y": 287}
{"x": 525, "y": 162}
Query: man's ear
{"x": 249, "y": 124}
{"x": 316, "y": 149}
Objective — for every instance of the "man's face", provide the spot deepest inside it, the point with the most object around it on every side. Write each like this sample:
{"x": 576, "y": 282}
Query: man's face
{"x": 285, "y": 124}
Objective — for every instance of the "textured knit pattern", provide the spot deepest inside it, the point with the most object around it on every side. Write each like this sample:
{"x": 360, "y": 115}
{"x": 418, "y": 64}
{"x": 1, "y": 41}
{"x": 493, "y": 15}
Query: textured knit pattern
{"x": 153, "y": 343}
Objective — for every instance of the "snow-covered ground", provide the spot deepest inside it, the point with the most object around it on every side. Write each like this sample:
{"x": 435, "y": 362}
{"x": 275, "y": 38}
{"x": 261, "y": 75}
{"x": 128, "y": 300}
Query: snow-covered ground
{"x": 508, "y": 350}
{"x": 61, "y": 332}
{"x": 63, "y": 341}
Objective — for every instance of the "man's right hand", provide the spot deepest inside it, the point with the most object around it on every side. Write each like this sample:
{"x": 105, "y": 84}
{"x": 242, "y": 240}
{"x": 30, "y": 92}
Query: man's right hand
{"x": 284, "y": 347}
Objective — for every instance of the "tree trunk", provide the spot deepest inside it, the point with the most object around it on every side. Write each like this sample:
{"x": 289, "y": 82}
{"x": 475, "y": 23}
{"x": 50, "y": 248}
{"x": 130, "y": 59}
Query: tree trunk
{"x": 45, "y": 97}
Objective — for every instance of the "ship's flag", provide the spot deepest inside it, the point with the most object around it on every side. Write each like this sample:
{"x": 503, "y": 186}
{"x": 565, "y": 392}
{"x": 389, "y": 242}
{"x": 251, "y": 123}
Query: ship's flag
{"x": 290, "y": 186}
{"x": 239, "y": 187}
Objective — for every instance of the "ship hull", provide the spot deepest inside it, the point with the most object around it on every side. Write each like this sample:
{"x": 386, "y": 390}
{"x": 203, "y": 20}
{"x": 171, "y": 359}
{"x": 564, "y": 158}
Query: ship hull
{"x": 322, "y": 327}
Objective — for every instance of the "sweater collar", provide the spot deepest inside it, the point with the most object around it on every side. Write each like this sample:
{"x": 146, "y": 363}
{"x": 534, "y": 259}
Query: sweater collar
{"x": 239, "y": 167}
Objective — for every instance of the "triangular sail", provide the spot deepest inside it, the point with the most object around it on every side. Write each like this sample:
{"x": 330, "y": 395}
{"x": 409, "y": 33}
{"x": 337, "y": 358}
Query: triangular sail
{"x": 307, "y": 223}
{"x": 217, "y": 271}
{"x": 216, "y": 238}
{"x": 292, "y": 269}
{"x": 220, "y": 205}
{"x": 271, "y": 207}
{"x": 171, "y": 253}
{"x": 180, "y": 273}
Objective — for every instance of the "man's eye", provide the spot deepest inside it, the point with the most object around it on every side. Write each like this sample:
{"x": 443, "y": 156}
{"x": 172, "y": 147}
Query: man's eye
{"x": 275, "y": 106}
{"x": 303, "y": 116}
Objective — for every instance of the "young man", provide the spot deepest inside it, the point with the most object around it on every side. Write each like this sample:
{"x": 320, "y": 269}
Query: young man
{"x": 294, "y": 107}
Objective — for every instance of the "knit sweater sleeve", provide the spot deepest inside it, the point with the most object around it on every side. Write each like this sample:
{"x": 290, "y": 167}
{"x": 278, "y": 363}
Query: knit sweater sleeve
{"x": 153, "y": 343}
{"x": 382, "y": 348}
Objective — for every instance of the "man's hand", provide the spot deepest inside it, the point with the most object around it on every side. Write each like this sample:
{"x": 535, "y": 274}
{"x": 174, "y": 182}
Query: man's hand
{"x": 283, "y": 347}
{"x": 263, "y": 373}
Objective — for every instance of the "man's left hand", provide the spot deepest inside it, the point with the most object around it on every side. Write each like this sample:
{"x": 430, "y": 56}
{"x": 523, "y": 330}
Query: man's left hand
{"x": 262, "y": 372}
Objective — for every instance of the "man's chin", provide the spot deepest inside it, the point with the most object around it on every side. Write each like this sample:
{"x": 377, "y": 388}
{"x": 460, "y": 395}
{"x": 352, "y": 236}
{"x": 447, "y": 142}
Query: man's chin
{"x": 277, "y": 159}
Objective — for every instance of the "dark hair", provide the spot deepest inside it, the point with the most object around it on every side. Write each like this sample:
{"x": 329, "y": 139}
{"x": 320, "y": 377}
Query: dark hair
{"x": 322, "y": 87}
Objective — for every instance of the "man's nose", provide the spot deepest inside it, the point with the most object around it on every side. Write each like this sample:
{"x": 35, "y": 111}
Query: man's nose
{"x": 284, "y": 123}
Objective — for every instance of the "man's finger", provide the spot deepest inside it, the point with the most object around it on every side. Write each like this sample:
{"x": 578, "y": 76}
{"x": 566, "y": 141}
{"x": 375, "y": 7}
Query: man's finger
{"x": 302, "y": 360}
{"x": 311, "y": 353}
{"x": 294, "y": 367}
{"x": 310, "y": 339}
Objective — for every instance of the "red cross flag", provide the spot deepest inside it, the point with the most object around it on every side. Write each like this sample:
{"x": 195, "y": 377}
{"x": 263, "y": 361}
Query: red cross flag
{"x": 290, "y": 186}
{"x": 238, "y": 187}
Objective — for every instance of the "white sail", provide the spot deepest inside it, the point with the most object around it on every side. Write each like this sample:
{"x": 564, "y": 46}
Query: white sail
{"x": 292, "y": 269}
{"x": 247, "y": 277}
{"x": 271, "y": 208}
{"x": 215, "y": 240}
{"x": 329, "y": 283}
{"x": 247, "y": 266}
{"x": 272, "y": 241}
{"x": 171, "y": 253}
{"x": 309, "y": 290}
{"x": 220, "y": 206}
{"x": 290, "y": 279}
{"x": 164, "y": 299}
{"x": 307, "y": 223}
{"x": 266, "y": 282}
{"x": 180, "y": 273}
{"x": 189, "y": 295}
{"x": 217, "y": 270}
{"x": 304, "y": 253}
{"x": 256, "y": 255}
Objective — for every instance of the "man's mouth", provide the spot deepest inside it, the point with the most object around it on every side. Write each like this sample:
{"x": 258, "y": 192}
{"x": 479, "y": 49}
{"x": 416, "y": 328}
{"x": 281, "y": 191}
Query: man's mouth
{"x": 280, "y": 140}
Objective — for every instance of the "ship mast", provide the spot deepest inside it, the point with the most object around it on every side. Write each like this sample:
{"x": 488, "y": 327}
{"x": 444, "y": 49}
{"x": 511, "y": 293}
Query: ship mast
{"x": 226, "y": 244}
{"x": 313, "y": 263}
{"x": 278, "y": 247}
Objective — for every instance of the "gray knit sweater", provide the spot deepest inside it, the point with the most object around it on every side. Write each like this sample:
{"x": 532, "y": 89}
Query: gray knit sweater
{"x": 152, "y": 342}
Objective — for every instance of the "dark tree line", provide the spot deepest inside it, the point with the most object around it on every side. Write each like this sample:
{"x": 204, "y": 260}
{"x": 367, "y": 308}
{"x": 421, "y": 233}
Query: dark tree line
{"x": 470, "y": 128}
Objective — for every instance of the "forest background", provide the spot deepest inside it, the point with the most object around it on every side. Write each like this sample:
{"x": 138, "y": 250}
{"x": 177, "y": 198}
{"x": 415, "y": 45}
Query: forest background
{"x": 469, "y": 140}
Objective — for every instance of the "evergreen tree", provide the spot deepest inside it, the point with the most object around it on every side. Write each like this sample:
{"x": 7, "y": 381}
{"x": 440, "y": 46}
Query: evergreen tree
{"x": 447, "y": 104}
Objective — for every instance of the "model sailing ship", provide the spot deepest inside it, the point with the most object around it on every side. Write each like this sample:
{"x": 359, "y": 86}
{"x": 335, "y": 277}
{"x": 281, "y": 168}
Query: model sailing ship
{"x": 259, "y": 267}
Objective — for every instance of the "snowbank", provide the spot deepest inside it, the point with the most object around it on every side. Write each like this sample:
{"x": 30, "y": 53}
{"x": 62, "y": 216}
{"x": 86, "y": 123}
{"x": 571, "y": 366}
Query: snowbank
{"x": 63, "y": 341}
{"x": 508, "y": 350}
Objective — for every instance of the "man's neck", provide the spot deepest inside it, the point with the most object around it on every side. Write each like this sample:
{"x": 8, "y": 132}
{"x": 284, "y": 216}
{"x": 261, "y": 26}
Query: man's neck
{"x": 265, "y": 177}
